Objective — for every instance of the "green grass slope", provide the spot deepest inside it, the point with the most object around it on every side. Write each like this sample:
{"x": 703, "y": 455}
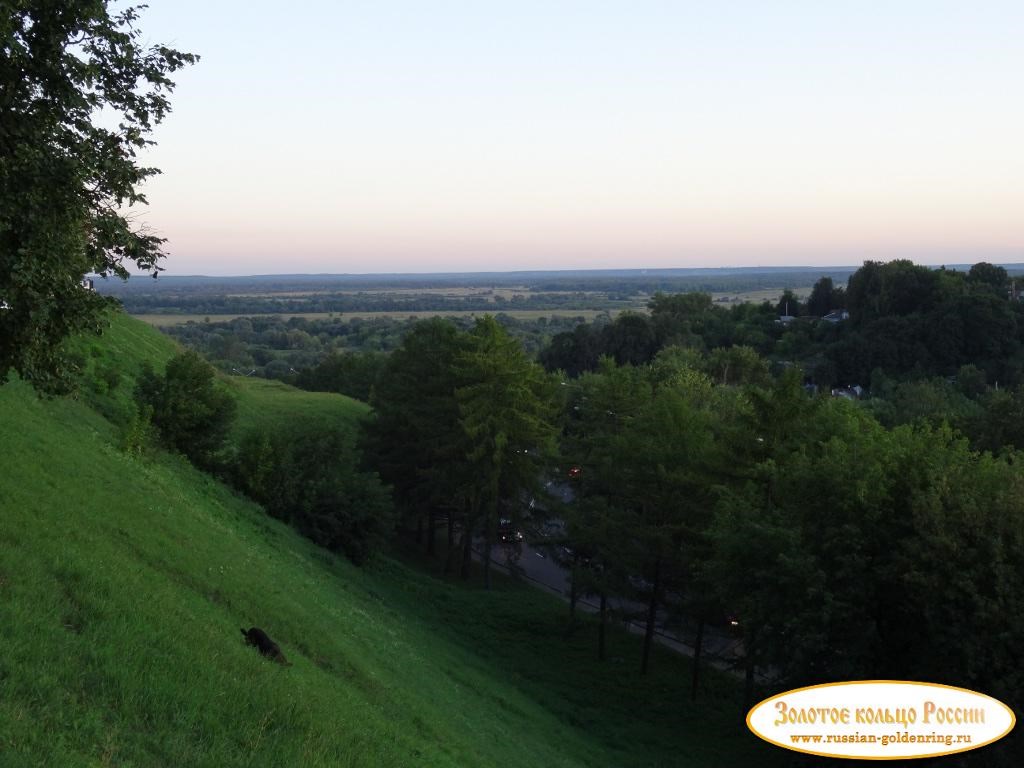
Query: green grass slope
{"x": 275, "y": 405}
{"x": 112, "y": 362}
{"x": 124, "y": 582}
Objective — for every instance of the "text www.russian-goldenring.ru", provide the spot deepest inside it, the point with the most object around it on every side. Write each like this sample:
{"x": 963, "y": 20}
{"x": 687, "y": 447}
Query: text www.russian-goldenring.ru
{"x": 885, "y": 739}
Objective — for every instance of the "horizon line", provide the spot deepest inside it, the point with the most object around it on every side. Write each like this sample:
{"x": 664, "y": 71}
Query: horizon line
{"x": 640, "y": 271}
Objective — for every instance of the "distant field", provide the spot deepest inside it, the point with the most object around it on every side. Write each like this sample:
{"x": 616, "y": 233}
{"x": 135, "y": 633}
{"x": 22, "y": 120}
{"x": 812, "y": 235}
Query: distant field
{"x": 161, "y": 321}
{"x": 508, "y": 291}
{"x": 756, "y": 297}
{"x": 728, "y": 297}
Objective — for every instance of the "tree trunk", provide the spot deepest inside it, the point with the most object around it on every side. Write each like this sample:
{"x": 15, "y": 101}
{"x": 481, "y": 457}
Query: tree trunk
{"x": 487, "y": 556}
{"x": 698, "y": 646}
{"x": 431, "y": 532}
{"x": 748, "y": 664}
{"x": 652, "y": 616}
{"x": 572, "y": 589}
{"x": 748, "y": 685}
{"x": 467, "y": 551}
{"x": 450, "y": 558}
{"x": 454, "y": 552}
{"x": 489, "y": 526}
{"x": 601, "y": 627}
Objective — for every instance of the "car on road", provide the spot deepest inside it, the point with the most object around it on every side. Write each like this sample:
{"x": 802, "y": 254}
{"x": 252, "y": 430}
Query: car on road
{"x": 507, "y": 532}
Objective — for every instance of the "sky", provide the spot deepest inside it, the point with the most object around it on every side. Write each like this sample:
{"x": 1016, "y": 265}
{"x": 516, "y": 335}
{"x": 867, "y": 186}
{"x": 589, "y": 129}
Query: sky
{"x": 386, "y": 136}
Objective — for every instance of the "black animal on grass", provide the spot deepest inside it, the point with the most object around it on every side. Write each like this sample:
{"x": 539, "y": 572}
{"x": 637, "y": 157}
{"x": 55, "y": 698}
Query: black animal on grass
{"x": 257, "y": 637}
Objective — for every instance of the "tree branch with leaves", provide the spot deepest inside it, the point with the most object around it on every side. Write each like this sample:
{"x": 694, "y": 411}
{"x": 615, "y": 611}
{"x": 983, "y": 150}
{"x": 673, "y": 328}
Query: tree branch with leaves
{"x": 67, "y": 182}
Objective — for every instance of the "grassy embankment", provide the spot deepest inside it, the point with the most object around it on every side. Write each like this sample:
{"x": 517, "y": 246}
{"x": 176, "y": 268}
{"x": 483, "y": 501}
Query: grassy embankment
{"x": 124, "y": 581}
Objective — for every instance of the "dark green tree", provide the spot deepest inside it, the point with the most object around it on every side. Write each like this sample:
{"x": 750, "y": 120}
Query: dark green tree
{"x": 935, "y": 401}
{"x": 898, "y": 288}
{"x": 1000, "y": 424}
{"x": 850, "y": 551}
{"x": 665, "y": 459}
{"x": 863, "y": 290}
{"x": 415, "y": 440}
{"x": 789, "y": 304}
{"x": 573, "y": 352}
{"x": 647, "y": 447}
{"x": 596, "y": 565}
{"x": 507, "y": 411}
{"x": 310, "y": 478}
{"x": 989, "y": 275}
{"x": 66, "y": 181}
{"x": 603, "y": 403}
{"x": 679, "y": 318}
{"x": 971, "y": 381}
{"x": 737, "y": 365}
{"x": 352, "y": 373}
{"x": 820, "y": 301}
{"x": 629, "y": 339}
{"x": 191, "y": 411}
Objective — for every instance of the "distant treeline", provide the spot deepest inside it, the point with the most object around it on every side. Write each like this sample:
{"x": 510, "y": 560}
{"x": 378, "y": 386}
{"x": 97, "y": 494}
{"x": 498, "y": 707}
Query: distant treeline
{"x": 905, "y": 322}
{"x": 647, "y": 284}
{"x": 331, "y": 354}
{"x": 222, "y": 304}
{"x": 485, "y": 292}
{"x": 751, "y": 278}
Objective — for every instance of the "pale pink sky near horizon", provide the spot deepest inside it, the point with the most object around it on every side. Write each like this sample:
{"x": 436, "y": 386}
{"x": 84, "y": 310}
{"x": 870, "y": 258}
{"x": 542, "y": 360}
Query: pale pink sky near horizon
{"x": 395, "y": 137}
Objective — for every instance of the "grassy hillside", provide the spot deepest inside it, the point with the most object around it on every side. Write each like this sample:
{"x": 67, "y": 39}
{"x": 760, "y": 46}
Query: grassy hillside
{"x": 124, "y": 582}
{"x": 273, "y": 404}
{"x": 112, "y": 362}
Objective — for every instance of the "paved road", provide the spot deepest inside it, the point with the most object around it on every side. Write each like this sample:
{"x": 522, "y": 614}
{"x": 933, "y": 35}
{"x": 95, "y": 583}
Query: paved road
{"x": 722, "y": 649}
{"x": 539, "y": 567}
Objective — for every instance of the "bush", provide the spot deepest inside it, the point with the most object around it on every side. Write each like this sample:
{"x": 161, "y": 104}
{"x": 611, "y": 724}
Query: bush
{"x": 192, "y": 414}
{"x": 312, "y": 481}
{"x": 138, "y": 435}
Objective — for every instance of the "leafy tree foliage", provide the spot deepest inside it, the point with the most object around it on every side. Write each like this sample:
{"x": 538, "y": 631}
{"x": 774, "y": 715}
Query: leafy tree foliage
{"x": 192, "y": 413}
{"x": 666, "y": 464}
{"x": 851, "y": 551}
{"x": 312, "y": 480}
{"x": 572, "y": 352}
{"x": 603, "y": 550}
{"x": 737, "y": 365}
{"x": 463, "y": 424}
{"x": 990, "y": 275}
{"x": 897, "y": 288}
{"x": 415, "y": 440}
{"x": 916, "y": 322}
{"x": 65, "y": 180}
{"x": 629, "y": 339}
{"x": 354, "y": 374}
{"x": 825, "y": 297}
{"x": 999, "y": 426}
{"x": 935, "y": 401}
{"x": 679, "y": 319}
{"x": 686, "y": 320}
{"x": 646, "y": 441}
{"x": 789, "y": 304}
{"x": 507, "y": 413}
{"x": 843, "y": 538}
